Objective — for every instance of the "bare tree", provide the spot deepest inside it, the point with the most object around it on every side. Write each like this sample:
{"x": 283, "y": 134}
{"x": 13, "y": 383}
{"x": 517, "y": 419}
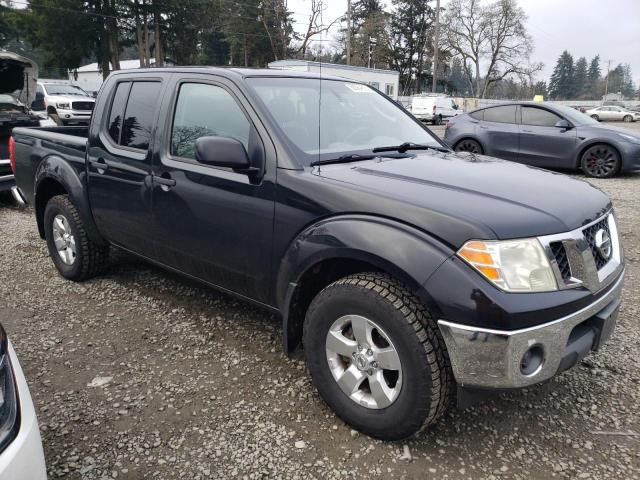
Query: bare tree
{"x": 315, "y": 26}
{"x": 491, "y": 40}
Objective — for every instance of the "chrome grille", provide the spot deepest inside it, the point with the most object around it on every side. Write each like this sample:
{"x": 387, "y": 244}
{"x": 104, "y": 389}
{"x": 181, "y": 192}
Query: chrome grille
{"x": 590, "y": 237}
{"x": 577, "y": 261}
{"x": 560, "y": 254}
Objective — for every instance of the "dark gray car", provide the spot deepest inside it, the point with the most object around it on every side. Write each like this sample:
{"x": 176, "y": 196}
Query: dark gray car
{"x": 548, "y": 136}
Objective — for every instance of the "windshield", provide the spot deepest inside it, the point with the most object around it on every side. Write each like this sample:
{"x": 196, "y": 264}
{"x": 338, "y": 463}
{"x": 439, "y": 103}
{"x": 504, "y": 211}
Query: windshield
{"x": 62, "y": 89}
{"x": 354, "y": 118}
{"x": 574, "y": 116}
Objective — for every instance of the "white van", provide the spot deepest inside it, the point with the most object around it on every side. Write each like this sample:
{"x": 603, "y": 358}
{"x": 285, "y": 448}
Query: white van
{"x": 433, "y": 108}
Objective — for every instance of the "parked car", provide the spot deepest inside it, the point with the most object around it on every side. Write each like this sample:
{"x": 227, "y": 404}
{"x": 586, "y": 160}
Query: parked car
{"x": 17, "y": 74}
{"x": 548, "y": 136}
{"x": 65, "y": 103}
{"x": 613, "y": 113}
{"x": 433, "y": 108}
{"x": 410, "y": 273}
{"x": 21, "y": 453}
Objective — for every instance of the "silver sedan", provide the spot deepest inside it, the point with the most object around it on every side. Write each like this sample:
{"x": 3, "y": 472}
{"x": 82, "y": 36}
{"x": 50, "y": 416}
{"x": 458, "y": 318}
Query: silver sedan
{"x": 613, "y": 113}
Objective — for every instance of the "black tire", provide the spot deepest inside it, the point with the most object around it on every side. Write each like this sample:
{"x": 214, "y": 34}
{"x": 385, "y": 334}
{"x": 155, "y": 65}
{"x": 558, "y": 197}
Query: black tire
{"x": 627, "y": 118}
{"x": 596, "y": 118}
{"x": 468, "y": 145}
{"x": 437, "y": 120}
{"x": 427, "y": 385}
{"x": 91, "y": 259}
{"x": 600, "y": 161}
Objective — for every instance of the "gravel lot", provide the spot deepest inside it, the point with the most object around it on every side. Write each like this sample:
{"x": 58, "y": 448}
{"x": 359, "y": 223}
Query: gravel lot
{"x": 141, "y": 374}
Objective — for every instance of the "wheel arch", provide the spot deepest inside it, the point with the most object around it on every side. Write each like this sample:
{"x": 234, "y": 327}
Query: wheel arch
{"x": 591, "y": 143}
{"x": 56, "y": 177}
{"x": 346, "y": 245}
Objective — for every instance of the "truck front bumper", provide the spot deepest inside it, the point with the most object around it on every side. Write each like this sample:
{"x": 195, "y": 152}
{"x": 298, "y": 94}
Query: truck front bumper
{"x": 498, "y": 359}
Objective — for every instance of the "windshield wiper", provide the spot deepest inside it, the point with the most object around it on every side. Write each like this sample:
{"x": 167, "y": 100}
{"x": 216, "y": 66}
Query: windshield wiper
{"x": 343, "y": 159}
{"x": 404, "y": 147}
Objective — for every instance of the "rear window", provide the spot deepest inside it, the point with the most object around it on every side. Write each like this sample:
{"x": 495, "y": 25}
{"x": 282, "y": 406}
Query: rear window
{"x": 503, "y": 114}
{"x": 117, "y": 111}
{"x": 139, "y": 115}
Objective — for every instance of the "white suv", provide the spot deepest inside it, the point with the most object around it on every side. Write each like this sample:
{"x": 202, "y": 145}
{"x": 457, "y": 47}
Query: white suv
{"x": 433, "y": 108}
{"x": 64, "y": 103}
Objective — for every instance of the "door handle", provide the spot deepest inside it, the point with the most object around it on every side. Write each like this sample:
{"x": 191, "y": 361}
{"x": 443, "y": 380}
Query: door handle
{"x": 165, "y": 181}
{"x": 101, "y": 165}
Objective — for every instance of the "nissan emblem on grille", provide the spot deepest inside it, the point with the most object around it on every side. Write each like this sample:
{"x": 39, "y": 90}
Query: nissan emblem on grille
{"x": 603, "y": 243}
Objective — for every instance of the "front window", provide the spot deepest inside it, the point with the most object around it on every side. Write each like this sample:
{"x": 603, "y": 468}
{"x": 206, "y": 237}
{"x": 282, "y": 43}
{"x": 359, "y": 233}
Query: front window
{"x": 64, "y": 89}
{"x": 349, "y": 118}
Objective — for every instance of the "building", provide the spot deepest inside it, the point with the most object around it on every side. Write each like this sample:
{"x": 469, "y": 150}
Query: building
{"x": 387, "y": 81}
{"x": 89, "y": 77}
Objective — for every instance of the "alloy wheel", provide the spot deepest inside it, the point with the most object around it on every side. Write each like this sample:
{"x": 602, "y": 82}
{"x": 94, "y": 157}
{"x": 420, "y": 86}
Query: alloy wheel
{"x": 470, "y": 146}
{"x": 600, "y": 161}
{"x": 364, "y": 361}
{"x": 64, "y": 240}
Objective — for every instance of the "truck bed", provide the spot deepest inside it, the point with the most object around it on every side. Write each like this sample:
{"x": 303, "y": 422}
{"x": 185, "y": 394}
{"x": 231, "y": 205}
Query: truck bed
{"x": 33, "y": 145}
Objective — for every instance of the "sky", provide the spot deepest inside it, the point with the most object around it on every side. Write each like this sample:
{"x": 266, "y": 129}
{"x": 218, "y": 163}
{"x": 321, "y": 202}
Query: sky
{"x": 610, "y": 28}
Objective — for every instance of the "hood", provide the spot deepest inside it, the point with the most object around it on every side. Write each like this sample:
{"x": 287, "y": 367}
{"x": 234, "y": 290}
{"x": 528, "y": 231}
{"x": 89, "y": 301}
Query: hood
{"x": 18, "y": 74}
{"x": 70, "y": 98}
{"x": 500, "y": 199}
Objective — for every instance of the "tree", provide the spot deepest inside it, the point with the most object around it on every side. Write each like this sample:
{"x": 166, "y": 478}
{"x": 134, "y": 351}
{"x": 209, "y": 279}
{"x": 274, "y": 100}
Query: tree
{"x": 561, "y": 84}
{"x": 457, "y": 79}
{"x": 540, "y": 88}
{"x": 408, "y": 40}
{"x": 580, "y": 78}
{"x": 594, "y": 79}
{"x": 491, "y": 38}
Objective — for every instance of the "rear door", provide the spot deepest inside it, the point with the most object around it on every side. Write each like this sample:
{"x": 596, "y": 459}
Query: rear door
{"x": 498, "y": 132}
{"x": 215, "y": 224}
{"x": 542, "y": 143}
{"x": 119, "y": 163}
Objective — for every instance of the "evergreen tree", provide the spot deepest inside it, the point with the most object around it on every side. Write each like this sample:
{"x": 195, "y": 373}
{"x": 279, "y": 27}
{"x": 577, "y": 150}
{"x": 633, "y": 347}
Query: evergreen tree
{"x": 457, "y": 79}
{"x": 594, "y": 80}
{"x": 561, "y": 84}
{"x": 580, "y": 77}
{"x": 540, "y": 88}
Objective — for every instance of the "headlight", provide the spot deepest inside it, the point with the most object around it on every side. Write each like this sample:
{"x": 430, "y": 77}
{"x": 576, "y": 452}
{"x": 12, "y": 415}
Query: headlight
{"x": 64, "y": 106}
{"x": 511, "y": 265}
{"x": 8, "y": 398}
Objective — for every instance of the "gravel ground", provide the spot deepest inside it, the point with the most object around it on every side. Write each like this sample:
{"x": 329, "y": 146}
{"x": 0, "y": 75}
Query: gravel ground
{"x": 141, "y": 374}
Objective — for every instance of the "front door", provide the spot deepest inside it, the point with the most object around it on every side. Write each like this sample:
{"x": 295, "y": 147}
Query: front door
{"x": 215, "y": 224}
{"x": 542, "y": 143}
{"x": 119, "y": 165}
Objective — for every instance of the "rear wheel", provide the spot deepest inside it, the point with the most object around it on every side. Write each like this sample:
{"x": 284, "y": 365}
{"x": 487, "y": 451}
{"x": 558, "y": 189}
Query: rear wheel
{"x": 600, "y": 161}
{"x": 627, "y": 118}
{"x": 74, "y": 254}
{"x": 377, "y": 357}
{"x": 468, "y": 145}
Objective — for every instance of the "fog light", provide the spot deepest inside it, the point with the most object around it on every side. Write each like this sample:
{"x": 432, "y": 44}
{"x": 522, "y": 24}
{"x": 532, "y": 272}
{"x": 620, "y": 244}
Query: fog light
{"x": 532, "y": 360}
{"x": 67, "y": 116}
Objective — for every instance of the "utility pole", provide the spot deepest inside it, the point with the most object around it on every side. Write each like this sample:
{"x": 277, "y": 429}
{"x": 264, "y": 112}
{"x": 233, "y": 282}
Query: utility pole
{"x": 349, "y": 32}
{"x": 606, "y": 82}
{"x": 435, "y": 48}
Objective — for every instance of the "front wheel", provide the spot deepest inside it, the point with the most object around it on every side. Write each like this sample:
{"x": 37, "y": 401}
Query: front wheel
{"x": 468, "y": 145}
{"x": 595, "y": 117}
{"x": 600, "y": 161}
{"x": 376, "y": 356}
{"x": 437, "y": 120}
{"x": 73, "y": 252}
{"x": 627, "y": 118}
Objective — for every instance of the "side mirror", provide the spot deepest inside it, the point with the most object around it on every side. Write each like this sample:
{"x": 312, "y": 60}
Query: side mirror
{"x": 563, "y": 124}
{"x": 222, "y": 152}
{"x": 455, "y": 107}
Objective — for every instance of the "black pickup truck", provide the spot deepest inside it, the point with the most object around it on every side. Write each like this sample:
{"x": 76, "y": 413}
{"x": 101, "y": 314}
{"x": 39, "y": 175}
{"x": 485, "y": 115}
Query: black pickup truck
{"x": 411, "y": 275}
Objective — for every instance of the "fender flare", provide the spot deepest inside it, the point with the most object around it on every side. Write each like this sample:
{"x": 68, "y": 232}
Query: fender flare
{"x": 56, "y": 169}
{"x": 405, "y": 252}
